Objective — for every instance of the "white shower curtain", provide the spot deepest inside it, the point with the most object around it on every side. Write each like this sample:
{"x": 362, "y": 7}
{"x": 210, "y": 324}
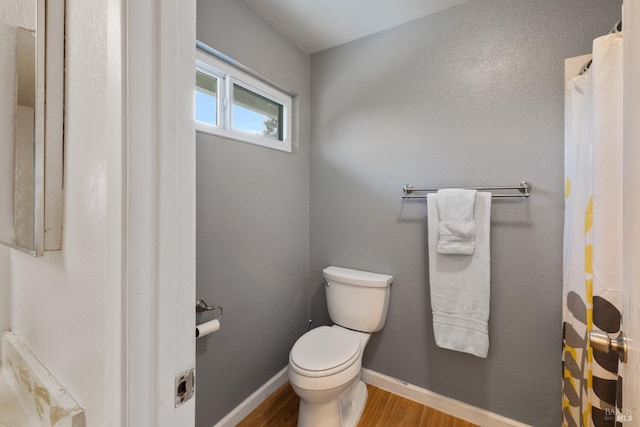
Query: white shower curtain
{"x": 592, "y": 262}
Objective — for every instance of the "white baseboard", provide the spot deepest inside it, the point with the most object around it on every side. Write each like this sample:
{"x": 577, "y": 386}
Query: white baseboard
{"x": 444, "y": 404}
{"x": 253, "y": 401}
{"x": 450, "y": 406}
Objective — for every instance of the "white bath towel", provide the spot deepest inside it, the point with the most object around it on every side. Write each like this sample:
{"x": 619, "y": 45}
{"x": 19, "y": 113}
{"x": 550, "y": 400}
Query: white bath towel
{"x": 456, "y": 229}
{"x": 460, "y": 285}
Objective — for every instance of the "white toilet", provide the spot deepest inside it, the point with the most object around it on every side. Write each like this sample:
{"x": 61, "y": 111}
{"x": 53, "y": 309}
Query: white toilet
{"x": 324, "y": 364}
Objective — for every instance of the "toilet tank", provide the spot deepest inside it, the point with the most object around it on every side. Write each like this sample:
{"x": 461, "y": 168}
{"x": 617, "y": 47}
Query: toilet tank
{"x": 357, "y": 299}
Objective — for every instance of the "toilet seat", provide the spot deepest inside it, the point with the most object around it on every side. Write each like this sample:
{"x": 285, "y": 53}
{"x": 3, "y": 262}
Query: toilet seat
{"x": 324, "y": 351}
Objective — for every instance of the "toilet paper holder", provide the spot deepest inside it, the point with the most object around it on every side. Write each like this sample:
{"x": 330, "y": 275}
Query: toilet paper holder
{"x": 202, "y": 306}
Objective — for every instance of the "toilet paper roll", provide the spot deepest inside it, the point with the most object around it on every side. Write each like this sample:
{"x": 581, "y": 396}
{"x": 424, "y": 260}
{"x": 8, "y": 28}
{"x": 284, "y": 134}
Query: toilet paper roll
{"x": 207, "y": 328}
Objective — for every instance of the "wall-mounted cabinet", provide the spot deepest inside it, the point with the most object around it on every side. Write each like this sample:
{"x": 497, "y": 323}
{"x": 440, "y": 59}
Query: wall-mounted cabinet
{"x": 31, "y": 124}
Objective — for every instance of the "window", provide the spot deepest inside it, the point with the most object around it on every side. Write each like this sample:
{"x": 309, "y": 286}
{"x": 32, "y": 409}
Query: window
{"x": 236, "y": 105}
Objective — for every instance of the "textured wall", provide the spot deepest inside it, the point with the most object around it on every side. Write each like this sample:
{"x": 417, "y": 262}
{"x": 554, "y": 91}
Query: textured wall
{"x": 252, "y": 224}
{"x": 67, "y": 305}
{"x": 470, "y": 96}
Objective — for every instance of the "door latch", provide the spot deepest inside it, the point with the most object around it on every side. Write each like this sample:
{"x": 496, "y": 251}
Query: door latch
{"x": 185, "y": 386}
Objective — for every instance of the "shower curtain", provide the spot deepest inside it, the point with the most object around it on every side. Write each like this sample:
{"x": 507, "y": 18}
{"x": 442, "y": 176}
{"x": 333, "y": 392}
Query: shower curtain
{"x": 592, "y": 264}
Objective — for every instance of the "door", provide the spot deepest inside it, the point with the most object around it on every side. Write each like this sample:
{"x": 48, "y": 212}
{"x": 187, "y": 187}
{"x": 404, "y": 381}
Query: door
{"x": 159, "y": 265}
{"x": 630, "y": 408}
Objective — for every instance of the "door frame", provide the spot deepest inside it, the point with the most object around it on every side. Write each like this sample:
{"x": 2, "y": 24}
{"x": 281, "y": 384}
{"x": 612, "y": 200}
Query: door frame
{"x": 159, "y": 209}
{"x": 630, "y": 414}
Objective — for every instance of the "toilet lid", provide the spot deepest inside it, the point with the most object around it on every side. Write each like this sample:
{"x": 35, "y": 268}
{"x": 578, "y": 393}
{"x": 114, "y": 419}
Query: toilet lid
{"x": 325, "y": 348}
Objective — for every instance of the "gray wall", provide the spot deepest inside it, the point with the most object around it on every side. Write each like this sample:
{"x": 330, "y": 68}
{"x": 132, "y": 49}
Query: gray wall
{"x": 469, "y": 96}
{"x": 252, "y": 223}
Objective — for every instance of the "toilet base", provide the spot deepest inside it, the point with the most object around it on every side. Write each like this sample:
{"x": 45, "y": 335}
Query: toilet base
{"x": 353, "y": 407}
{"x": 343, "y": 412}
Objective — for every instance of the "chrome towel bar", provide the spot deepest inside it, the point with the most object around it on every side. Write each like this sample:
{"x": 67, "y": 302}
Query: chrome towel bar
{"x": 522, "y": 190}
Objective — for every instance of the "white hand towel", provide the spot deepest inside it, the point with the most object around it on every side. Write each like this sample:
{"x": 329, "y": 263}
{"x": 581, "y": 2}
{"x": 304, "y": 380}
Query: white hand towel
{"x": 460, "y": 285}
{"x": 456, "y": 229}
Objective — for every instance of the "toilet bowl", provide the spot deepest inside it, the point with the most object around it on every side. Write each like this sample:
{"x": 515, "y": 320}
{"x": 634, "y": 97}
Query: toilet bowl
{"x": 324, "y": 371}
{"x": 325, "y": 363}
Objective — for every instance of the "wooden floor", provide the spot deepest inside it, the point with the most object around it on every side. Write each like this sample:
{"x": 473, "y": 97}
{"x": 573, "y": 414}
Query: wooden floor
{"x": 383, "y": 409}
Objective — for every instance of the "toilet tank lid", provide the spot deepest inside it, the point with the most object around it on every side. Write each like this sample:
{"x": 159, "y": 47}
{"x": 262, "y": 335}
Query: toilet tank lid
{"x": 356, "y": 277}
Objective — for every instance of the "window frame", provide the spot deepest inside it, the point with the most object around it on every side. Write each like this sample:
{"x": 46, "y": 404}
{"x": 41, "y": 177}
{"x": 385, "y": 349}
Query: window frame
{"x": 227, "y": 76}
{"x": 211, "y": 72}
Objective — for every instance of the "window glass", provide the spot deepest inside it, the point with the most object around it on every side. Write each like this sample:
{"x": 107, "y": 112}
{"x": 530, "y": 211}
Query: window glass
{"x": 206, "y": 98}
{"x": 256, "y": 114}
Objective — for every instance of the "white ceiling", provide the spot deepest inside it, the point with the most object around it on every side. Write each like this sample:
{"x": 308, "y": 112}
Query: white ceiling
{"x": 315, "y": 25}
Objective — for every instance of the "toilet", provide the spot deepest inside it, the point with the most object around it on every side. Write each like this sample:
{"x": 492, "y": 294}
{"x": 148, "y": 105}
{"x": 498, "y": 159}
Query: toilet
{"x": 325, "y": 363}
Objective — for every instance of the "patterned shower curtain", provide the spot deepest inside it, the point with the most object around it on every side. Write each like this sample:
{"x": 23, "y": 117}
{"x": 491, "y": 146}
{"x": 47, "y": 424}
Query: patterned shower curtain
{"x": 592, "y": 273}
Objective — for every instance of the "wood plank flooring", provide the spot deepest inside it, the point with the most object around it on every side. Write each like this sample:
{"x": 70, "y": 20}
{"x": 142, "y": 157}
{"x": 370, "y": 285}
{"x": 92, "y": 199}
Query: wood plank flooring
{"x": 383, "y": 409}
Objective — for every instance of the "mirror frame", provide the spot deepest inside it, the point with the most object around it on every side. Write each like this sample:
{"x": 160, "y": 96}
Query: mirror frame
{"x": 54, "y": 130}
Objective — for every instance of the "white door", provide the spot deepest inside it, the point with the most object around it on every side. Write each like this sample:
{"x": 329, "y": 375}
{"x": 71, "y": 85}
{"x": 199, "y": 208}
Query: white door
{"x": 630, "y": 371}
{"x": 159, "y": 293}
